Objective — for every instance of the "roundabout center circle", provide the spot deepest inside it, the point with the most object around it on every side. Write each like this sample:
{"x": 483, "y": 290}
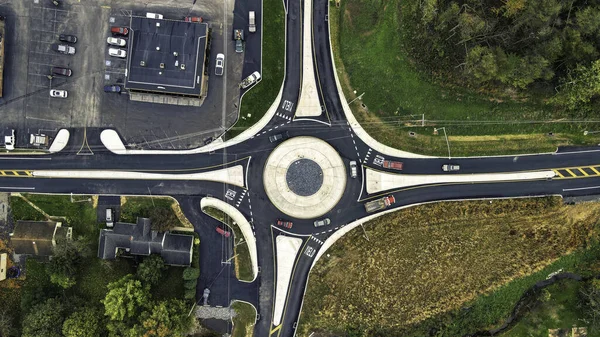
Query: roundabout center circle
{"x": 304, "y": 177}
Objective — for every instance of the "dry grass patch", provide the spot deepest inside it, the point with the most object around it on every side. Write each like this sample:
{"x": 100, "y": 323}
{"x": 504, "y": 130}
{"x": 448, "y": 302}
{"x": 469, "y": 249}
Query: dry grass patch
{"x": 430, "y": 259}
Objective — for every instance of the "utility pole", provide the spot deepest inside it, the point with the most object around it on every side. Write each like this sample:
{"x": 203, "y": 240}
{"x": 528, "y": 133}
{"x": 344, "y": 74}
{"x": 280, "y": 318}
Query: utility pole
{"x": 359, "y": 97}
{"x": 447, "y": 142}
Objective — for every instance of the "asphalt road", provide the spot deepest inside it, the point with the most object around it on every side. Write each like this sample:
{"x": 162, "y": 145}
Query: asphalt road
{"x": 85, "y": 152}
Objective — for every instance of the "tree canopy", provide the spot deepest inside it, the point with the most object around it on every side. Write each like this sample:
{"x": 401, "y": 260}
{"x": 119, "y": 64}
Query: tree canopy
{"x": 126, "y": 298}
{"x": 45, "y": 319}
{"x": 83, "y": 323}
{"x": 150, "y": 270}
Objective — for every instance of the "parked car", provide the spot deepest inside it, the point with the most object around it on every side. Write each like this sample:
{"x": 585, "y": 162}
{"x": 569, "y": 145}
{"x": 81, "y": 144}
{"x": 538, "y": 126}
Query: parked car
{"x": 323, "y": 222}
{"x": 112, "y": 88}
{"x": 63, "y": 48}
{"x": 279, "y": 136}
{"x": 58, "y": 93}
{"x": 251, "y": 22}
{"x": 353, "y": 169}
{"x": 116, "y": 41}
{"x": 67, "y": 38}
{"x": 450, "y": 167}
{"x": 117, "y": 52}
{"x": 193, "y": 19}
{"x": 223, "y": 232}
{"x": 124, "y": 31}
{"x": 238, "y": 36}
{"x": 283, "y": 223}
{"x": 395, "y": 165}
{"x": 109, "y": 217}
{"x": 248, "y": 81}
{"x": 61, "y": 71}
{"x": 38, "y": 139}
{"x": 219, "y": 65}
{"x": 9, "y": 139}
{"x": 154, "y": 16}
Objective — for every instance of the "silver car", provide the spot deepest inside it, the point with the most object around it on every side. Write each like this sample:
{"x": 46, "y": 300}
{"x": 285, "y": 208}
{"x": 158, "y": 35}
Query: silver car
{"x": 450, "y": 167}
{"x": 323, "y": 222}
{"x": 219, "y": 65}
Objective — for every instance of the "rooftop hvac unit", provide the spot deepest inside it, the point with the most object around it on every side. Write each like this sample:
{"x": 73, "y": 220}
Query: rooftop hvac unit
{"x": 142, "y": 63}
{"x": 162, "y": 65}
{"x": 158, "y": 24}
{"x": 182, "y": 66}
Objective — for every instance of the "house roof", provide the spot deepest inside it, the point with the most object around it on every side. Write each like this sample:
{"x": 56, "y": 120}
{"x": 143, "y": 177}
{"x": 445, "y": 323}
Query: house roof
{"x": 37, "y": 237}
{"x": 140, "y": 239}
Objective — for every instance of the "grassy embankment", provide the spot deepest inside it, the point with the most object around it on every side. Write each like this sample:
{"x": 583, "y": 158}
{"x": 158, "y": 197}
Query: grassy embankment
{"x": 257, "y": 100}
{"x": 370, "y": 39}
{"x": 243, "y": 264}
{"x": 243, "y": 322}
{"x": 427, "y": 267}
{"x": 133, "y": 207}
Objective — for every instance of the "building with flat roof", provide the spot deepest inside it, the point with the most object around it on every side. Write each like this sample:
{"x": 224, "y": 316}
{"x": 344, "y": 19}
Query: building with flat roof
{"x": 166, "y": 57}
{"x": 38, "y": 237}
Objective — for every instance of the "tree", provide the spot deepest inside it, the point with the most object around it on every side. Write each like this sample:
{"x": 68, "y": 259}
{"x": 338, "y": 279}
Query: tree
{"x": 164, "y": 319}
{"x": 83, "y": 323}
{"x": 150, "y": 270}
{"x": 63, "y": 266}
{"x": 580, "y": 87}
{"x": 44, "y": 319}
{"x": 191, "y": 274}
{"x": 163, "y": 219}
{"x": 590, "y": 298}
{"x": 6, "y": 323}
{"x": 125, "y": 299}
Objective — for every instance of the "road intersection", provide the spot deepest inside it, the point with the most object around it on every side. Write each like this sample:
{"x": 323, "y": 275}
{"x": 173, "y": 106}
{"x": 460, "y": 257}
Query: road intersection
{"x": 235, "y": 174}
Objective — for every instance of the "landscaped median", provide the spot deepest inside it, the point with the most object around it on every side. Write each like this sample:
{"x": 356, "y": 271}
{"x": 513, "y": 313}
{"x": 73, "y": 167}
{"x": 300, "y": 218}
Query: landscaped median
{"x": 245, "y": 254}
{"x": 244, "y": 319}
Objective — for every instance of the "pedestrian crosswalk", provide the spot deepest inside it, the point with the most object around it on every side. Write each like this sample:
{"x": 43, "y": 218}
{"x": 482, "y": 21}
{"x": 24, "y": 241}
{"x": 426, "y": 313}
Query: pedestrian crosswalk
{"x": 280, "y": 115}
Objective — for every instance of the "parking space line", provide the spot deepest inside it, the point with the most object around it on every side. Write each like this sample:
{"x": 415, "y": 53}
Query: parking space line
{"x": 41, "y": 64}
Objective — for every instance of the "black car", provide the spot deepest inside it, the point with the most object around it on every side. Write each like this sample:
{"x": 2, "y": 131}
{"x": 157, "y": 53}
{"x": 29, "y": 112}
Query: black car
{"x": 112, "y": 88}
{"x": 279, "y": 136}
{"x": 68, "y": 38}
{"x": 61, "y": 71}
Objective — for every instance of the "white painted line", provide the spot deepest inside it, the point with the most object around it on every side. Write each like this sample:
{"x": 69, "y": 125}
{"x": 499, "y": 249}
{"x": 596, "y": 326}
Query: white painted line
{"x": 580, "y": 188}
{"x": 20, "y": 188}
{"x": 22, "y": 158}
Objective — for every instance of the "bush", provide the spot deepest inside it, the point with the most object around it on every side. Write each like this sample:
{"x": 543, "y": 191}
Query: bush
{"x": 190, "y": 294}
{"x": 191, "y": 274}
{"x": 190, "y": 284}
{"x": 150, "y": 270}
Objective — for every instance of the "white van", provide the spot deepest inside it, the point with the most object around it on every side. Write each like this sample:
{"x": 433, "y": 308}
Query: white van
{"x": 109, "y": 217}
{"x": 154, "y": 16}
{"x": 251, "y": 22}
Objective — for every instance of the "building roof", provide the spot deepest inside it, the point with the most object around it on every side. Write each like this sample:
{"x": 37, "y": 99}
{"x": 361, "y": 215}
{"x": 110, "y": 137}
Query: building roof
{"x": 140, "y": 239}
{"x": 154, "y": 42}
{"x": 37, "y": 237}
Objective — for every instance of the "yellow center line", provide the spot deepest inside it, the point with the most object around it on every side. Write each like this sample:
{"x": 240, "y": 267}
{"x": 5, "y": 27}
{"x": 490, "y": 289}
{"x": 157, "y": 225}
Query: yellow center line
{"x": 571, "y": 172}
{"x": 559, "y": 174}
{"x": 595, "y": 171}
{"x": 582, "y": 171}
{"x": 3, "y": 173}
{"x": 275, "y": 330}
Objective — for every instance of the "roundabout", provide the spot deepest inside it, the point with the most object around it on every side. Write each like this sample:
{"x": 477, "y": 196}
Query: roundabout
{"x": 304, "y": 177}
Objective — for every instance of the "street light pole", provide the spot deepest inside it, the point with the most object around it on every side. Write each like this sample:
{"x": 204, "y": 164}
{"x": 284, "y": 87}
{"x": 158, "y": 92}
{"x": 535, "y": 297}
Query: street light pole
{"x": 359, "y": 97}
{"x": 446, "y": 136}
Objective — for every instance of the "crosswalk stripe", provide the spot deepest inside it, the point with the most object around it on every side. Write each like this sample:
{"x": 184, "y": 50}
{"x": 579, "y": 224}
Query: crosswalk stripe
{"x": 571, "y": 172}
{"x": 559, "y": 174}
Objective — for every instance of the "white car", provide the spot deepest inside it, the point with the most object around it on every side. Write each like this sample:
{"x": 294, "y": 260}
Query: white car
{"x": 248, "y": 81}
{"x": 9, "y": 139}
{"x": 117, "y": 52}
{"x": 58, "y": 93}
{"x": 154, "y": 16}
{"x": 115, "y": 41}
{"x": 219, "y": 64}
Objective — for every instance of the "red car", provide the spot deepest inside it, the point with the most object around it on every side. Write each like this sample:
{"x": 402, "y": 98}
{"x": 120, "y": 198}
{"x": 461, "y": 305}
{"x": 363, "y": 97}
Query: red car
{"x": 223, "y": 232}
{"x": 193, "y": 19}
{"x": 119, "y": 30}
{"x": 396, "y": 165}
{"x": 286, "y": 224}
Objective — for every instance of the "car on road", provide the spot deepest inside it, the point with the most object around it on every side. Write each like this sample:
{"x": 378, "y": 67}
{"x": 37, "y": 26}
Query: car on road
{"x": 353, "y": 169}
{"x": 223, "y": 232}
{"x": 116, "y": 41}
{"x": 117, "y": 52}
{"x": 238, "y": 36}
{"x": 124, "y": 31}
{"x": 38, "y": 139}
{"x": 322, "y": 222}
{"x": 283, "y": 223}
{"x": 9, "y": 139}
{"x": 67, "y": 38}
{"x": 193, "y": 19}
{"x": 395, "y": 165}
{"x": 219, "y": 65}
{"x": 248, "y": 81}
{"x": 112, "y": 88}
{"x": 279, "y": 136}
{"x": 63, "y": 48}
{"x": 58, "y": 93}
{"x": 154, "y": 16}
{"x": 450, "y": 167}
{"x": 61, "y": 71}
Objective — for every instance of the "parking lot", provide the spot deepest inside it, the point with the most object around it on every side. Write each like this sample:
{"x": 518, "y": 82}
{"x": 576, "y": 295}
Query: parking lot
{"x": 32, "y": 26}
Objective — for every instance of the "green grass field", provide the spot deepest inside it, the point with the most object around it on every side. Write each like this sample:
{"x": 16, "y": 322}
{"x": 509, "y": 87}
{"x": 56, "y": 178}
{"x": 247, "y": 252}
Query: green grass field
{"x": 257, "y": 101}
{"x": 243, "y": 322}
{"x": 369, "y": 42}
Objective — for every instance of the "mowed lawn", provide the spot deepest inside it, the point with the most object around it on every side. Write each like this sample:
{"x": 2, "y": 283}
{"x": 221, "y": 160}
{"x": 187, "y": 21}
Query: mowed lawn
{"x": 370, "y": 43}
{"x": 422, "y": 266}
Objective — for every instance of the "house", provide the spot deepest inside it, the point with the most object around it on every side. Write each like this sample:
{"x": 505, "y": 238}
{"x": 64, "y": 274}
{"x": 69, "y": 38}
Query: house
{"x": 38, "y": 237}
{"x": 140, "y": 239}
